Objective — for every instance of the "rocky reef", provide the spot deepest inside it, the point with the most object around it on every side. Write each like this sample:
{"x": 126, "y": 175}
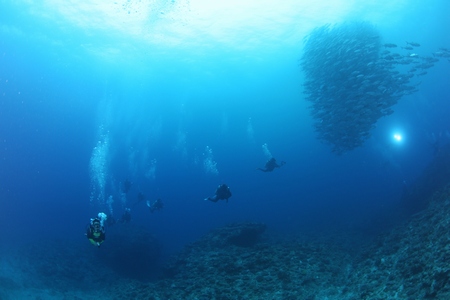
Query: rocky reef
{"x": 244, "y": 261}
{"x": 239, "y": 262}
{"x": 410, "y": 261}
{"x": 74, "y": 269}
{"x": 131, "y": 251}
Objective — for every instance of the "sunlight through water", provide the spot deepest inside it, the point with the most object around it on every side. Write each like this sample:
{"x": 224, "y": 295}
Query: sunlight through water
{"x": 237, "y": 24}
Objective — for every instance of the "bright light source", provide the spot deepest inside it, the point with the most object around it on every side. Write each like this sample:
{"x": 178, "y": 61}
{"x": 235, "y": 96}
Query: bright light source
{"x": 397, "y": 137}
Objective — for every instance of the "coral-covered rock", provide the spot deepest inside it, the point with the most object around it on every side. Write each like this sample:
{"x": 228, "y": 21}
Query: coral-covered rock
{"x": 238, "y": 234}
{"x": 412, "y": 260}
{"x": 131, "y": 251}
{"x": 232, "y": 262}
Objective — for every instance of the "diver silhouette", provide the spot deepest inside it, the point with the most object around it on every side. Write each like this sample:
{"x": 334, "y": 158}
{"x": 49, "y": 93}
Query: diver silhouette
{"x": 222, "y": 193}
{"x": 271, "y": 164}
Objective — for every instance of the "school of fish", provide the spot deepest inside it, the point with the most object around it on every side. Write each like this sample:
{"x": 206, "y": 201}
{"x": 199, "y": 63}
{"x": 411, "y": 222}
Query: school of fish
{"x": 352, "y": 79}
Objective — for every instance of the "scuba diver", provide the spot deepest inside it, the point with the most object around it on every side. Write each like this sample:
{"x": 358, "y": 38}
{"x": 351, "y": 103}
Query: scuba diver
{"x": 222, "y": 193}
{"x": 126, "y": 186}
{"x": 126, "y": 216}
{"x": 140, "y": 197}
{"x": 96, "y": 230}
{"x": 157, "y": 205}
{"x": 271, "y": 164}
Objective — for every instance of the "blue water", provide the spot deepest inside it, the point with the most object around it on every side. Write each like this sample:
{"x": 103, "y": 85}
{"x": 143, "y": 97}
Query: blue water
{"x": 180, "y": 96}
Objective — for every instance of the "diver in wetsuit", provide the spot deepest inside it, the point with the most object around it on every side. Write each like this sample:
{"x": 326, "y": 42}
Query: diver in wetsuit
{"x": 96, "y": 230}
{"x": 222, "y": 193}
{"x": 157, "y": 205}
{"x": 271, "y": 164}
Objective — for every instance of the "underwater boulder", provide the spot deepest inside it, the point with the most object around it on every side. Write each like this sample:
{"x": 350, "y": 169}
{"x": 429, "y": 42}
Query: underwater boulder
{"x": 131, "y": 251}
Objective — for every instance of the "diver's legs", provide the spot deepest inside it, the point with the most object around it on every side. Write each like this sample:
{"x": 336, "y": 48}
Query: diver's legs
{"x": 213, "y": 198}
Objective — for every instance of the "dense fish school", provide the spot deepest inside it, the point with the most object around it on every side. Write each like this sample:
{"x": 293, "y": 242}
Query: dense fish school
{"x": 352, "y": 80}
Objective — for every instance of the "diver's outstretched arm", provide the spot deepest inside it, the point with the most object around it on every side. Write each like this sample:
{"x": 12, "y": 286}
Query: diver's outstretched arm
{"x": 262, "y": 170}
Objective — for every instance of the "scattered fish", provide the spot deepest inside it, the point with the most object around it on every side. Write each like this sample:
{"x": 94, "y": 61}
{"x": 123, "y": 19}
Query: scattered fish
{"x": 442, "y": 54}
{"x": 413, "y": 44}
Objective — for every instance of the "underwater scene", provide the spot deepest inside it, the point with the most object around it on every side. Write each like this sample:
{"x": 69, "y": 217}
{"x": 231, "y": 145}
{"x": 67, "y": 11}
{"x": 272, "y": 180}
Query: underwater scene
{"x": 193, "y": 149}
